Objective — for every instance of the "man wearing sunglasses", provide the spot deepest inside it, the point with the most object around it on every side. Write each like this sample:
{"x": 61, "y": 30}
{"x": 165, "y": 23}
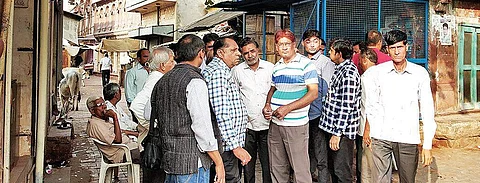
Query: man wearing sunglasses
{"x": 100, "y": 127}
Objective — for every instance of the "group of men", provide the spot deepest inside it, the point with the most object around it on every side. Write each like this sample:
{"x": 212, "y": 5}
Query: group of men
{"x": 301, "y": 116}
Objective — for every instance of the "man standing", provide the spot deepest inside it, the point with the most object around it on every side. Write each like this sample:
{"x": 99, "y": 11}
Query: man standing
{"x": 403, "y": 93}
{"x": 209, "y": 39}
{"x": 254, "y": 78}
{"x": 113, "y": 95}
{"x": 136, "y": 76}
{"x": 106, "y": 67}
{"x": 229, "y": 110}
{"x": 295, "y": 86}
{"x": 324, "y": 67}
{"x": 180, "y": 106}
{"x": 340, "y": 115}
{"x": 368, "y": 60}
{"x": 374, "y": 41}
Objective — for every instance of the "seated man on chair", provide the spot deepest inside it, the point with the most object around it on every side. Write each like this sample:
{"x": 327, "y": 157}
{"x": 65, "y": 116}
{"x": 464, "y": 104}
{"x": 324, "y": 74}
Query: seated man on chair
{"x": 100, "y": 127}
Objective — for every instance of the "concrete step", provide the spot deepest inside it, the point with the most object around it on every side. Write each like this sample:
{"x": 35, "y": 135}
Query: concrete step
{"x": 458, "y": 130}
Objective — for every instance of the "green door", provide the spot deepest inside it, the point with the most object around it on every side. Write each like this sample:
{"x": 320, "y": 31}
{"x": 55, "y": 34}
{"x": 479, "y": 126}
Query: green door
{"x": 469, "y": 67}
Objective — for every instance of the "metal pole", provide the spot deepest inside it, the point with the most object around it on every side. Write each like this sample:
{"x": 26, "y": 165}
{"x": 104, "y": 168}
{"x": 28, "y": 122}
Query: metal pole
{"x": 264, "y": 45}
{"x": 44, "y": 39}
{"x": 244, "y": 29}
{"x": 8, "y": 7}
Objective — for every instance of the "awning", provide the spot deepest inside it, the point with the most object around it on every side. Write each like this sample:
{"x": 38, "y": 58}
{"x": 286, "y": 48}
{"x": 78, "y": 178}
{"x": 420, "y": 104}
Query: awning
{"x": 145, "y": 33}
{"x": 120, "y": 45}
{"x": 210, "y": 20}
{"x": 256, "y": 6}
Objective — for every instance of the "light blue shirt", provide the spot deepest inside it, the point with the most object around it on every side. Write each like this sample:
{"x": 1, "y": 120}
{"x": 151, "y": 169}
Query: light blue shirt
{"x": 325, "y": 68}
{"x": 134, "y": 81}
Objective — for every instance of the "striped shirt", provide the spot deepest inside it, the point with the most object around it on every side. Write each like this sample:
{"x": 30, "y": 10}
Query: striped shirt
{"x": 291, "y": 80}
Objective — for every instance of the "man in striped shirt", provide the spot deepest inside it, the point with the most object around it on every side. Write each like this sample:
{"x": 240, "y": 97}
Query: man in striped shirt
{"x": 340, "y": 115}
{"x": 294, "y": 87}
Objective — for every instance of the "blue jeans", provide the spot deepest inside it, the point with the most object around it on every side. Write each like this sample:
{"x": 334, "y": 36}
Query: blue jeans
{"x": 202, "y": 176}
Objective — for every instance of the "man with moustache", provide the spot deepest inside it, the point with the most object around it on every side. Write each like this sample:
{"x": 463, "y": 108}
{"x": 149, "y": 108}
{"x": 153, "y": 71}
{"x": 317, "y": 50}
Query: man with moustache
{"x": 403, "y": 92}
{"x": 324, "y": 67}
{"x": 254, "y": 78}
{"x": 228, "y": 108}
{"x": 295, "y": 86}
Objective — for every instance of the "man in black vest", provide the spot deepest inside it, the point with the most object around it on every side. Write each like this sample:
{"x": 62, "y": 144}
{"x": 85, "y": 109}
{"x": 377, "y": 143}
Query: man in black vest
{"x": 180, "y": 105}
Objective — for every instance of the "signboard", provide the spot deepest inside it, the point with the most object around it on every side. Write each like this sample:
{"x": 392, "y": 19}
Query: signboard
{"x": 70, "y": 28}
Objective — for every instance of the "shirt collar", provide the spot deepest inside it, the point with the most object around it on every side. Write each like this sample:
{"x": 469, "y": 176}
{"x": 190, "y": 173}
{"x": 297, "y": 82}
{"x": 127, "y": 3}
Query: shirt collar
{"x": 139, "y": 66}
{"x": 296, "y": 59}
{"x": 220, "y": 63}
{"x": 261, "y": 65}
{"x": 408, "y": 68}
{"x": 318, "y": 54}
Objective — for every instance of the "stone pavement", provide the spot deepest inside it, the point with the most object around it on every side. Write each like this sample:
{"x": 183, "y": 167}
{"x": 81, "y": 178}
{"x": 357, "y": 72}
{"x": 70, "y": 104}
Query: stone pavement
{"x": 450, "y": 164}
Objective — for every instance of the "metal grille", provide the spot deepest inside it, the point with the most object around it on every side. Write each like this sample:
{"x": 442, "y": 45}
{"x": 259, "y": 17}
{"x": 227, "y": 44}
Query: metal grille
{"x": 351, "y": 18}
{"x": 408, "y": 17}
{"x": 302, "y": 13}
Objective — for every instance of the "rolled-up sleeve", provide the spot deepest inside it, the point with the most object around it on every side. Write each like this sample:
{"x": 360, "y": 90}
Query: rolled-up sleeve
{"x": 197, "y": 105}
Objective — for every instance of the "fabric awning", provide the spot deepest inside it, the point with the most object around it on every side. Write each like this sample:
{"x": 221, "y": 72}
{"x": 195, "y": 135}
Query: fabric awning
{"x": 120, "y": 45}
{"x": 210, "y": 20}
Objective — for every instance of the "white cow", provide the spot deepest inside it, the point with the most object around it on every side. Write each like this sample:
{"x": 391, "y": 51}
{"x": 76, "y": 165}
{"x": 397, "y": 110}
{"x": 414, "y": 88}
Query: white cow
{"x": 69, "y": 90}
{"x": 80, "y": 70}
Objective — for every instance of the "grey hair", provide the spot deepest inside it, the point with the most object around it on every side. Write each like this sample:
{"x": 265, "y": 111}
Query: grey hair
{"x": 160, "y": 55}
{"x": 91, "y": 101}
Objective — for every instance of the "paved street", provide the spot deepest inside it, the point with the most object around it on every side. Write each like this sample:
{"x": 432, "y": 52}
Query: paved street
{"x": 450, "y": 165}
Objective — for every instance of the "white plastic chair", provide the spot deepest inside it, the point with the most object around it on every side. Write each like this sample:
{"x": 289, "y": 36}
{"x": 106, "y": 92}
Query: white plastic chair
{"x": 133, "y": 170}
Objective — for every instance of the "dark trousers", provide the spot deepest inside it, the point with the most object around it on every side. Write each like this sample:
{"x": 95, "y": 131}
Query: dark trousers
{"x": 152, "y": 176}
{"x": 232, "y": 170}
{"x": 256, "y": 142}
{"x": 339, "y": 162}
{"x": 105, "y": 77}
{"x": 313, "y": 144}
{"x": 359, "y": 147}
{"x": 406, "y": 156}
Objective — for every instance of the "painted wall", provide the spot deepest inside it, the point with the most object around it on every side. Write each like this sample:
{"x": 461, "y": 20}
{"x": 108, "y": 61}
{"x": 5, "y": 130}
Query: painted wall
{"x": 22, "y": 72}
{"x": 443, "y": 60}
{"x": 187, "y": 12}
{"x": 167, "y": 17}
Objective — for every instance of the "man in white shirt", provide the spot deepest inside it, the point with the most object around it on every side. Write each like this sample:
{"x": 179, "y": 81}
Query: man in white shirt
{"x": 160, "y": 63}
{"x": 368, "y": 60}
{"x": 113, "y": 95}
{"x": 106, "y": 67}
{"x": 403, "y": 92}
{"x": 254, "y": 78}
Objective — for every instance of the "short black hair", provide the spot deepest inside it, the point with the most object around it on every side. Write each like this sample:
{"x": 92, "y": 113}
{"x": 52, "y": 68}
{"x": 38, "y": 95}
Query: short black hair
{"x": 323, "y": 42}
{"x": 445, "y": 25}
{"x": 109, "y": 90}
{"x": 220, "y": 43}
{"x": 361, "y": 45}
{"x": 188, "y": 47}
{"x": 343, "y": 46}
{"x": 310, "y": 33}
{"x": 246, "y": 41}
{"x": 370, "y": 55}
{"x": 139, "y": 52}
{"x": 395, "y": 36}
{"x": 210, "y": 37}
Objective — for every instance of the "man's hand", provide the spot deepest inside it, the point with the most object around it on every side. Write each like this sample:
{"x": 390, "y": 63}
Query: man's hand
{"x": 426, "y": 157}
{"x": 281, "y": 112}
{"x": 242, "y": 155}
{"x": 220, "y": 174}
{"x": 267, "y": 112}
{"x": 132, "y": 133}
{"x": 366, "y": 137}
{"x": 110, "y": 113}
{"x": 335, "y": 142}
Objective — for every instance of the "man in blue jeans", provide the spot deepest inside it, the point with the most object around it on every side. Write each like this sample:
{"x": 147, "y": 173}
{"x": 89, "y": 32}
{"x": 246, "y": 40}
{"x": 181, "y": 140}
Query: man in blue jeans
{"x": 181, "y": 108}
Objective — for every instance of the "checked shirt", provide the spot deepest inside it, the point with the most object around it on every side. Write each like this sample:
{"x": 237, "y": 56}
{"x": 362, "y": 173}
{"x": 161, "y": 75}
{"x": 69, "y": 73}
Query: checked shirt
{"x": 341, "y": 112}
{"x": 229, "y": 109}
